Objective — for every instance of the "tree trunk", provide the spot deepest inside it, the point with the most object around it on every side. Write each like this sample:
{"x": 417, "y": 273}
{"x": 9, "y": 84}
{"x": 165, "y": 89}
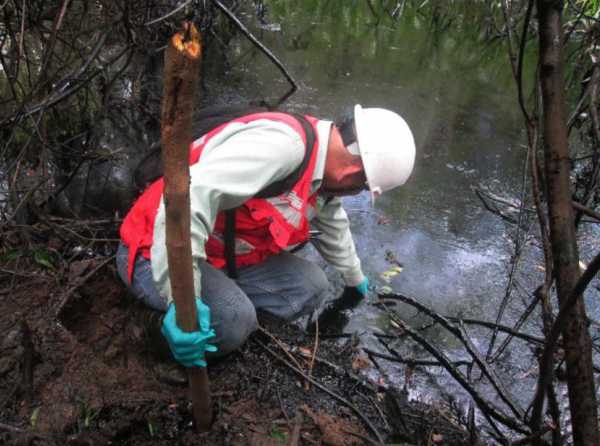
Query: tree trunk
{"x": 182, "y": 65}
{"x": 577, "y": 342}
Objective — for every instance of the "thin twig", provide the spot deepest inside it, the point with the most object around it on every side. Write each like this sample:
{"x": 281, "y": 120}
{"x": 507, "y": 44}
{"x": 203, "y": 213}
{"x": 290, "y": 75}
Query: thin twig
{"x": 66, "y": 87}
{"x": 314, "y": 353}
{"x": 378, "y": 409}
{"x": 516, "y": 258}
{"x": 169, "y": 14}
{"x": 592, "y": 182}
{"x": 9, "y": 428}
{"x": 462, "y": 336}
{"x": 50, "y": 46}
{"x": 411, "y": 361}
{"x": 22, "y": 34}
{"x": 338, "y": 397}
{"x": 585, "y": 210}
{"x": 486, "y": 407}
{"x": 502, "y": 328}
{"x": 336, "y": 368}
{"x": 261, "y": 47}
{"x": 522, "y": 319}
{"x": 530, "y": 438}
{"x": 24, "y": 200}
{"x": 521, "y": 56}
{"x": 280, "y": 344}
{"x": 17, "y": 273}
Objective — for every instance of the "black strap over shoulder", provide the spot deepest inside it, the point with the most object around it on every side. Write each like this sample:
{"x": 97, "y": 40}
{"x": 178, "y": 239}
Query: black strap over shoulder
{"x": 287, "y": 183}
{"x": 229, "y": 243}
{"x": 150, "y": 166}
{"x": 274, "y": 189}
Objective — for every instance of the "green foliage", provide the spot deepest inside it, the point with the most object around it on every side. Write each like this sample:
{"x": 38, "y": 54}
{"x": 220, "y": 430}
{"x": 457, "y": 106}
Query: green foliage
{"x": 151, "y": 428}
{"x": 278, "y": 435}
{"x": 34, "y": 417}
{"x": 86, "y": 415}
{"x": 590, "y": 7}
{"x": 10, "y": 255}
{"x": 44, "y": 258}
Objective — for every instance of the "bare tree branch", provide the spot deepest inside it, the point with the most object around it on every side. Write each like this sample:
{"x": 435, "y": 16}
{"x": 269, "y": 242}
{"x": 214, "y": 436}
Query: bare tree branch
{"x": 264, "y": 49}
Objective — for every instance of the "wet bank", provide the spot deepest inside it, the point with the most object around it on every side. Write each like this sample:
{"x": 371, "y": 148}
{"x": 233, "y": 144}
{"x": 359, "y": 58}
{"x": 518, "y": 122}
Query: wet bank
{"x": 432, "y": 239}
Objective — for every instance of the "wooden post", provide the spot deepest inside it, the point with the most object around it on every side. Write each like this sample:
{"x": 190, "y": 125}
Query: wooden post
{"x": 181, "y": 74}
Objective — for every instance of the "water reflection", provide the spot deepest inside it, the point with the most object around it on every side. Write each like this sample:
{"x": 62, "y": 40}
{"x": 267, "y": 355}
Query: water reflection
{"x": 455, "y": 90}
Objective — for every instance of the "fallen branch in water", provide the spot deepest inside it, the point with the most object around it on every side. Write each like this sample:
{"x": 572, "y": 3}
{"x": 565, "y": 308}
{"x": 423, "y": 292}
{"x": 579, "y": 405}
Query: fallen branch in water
{"x": 530, "y": 438}
{"x": 460, "y": 333}
{"x": 488, "y": 408}
{"x": 522, "y": 319}
{"x": 503, "y": 328}
{"x": 412, "y": 362}
{"x": 485, "y": 199}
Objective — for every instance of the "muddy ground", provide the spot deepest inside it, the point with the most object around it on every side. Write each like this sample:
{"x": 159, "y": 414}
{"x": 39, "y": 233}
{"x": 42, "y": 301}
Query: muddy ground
{"x": 75, "y": 369}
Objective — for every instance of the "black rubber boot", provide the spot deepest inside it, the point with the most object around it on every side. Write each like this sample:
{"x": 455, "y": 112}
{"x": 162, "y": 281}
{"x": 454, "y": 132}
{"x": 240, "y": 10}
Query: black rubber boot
{"x": 166, "y": 368}
{"x": 150, "y": 322}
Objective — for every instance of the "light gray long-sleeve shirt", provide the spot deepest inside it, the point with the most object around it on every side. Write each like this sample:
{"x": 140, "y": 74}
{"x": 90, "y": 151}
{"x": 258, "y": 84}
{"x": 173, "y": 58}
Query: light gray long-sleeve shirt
{"x": 235, "y": 165}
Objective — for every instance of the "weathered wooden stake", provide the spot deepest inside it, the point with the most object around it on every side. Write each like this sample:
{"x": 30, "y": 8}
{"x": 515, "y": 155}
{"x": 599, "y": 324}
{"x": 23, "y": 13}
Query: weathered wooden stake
{"x": 181, "y": 73}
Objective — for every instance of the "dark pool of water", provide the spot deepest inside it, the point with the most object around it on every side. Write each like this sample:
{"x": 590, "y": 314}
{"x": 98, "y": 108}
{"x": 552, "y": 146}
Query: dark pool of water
{"x": 456, "y": 91}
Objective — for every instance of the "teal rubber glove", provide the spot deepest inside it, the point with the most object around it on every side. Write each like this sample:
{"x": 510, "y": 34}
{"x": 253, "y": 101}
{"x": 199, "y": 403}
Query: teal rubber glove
{"x": 363, "y": 287}
{"x": 189, "y": 348}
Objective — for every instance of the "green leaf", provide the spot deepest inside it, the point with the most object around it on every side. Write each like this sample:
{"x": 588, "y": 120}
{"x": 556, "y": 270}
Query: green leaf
{"x": 150, "y": 428}
{"x": 43, "y": 257}
{"x": 13, "y": 254}
{"x": 278, "y": 435}
{"x": 34, "y": 416}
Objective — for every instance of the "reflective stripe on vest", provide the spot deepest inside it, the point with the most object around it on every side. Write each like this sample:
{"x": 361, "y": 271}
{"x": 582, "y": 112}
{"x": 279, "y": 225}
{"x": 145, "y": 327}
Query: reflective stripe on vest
{"x": 263, "y": 226}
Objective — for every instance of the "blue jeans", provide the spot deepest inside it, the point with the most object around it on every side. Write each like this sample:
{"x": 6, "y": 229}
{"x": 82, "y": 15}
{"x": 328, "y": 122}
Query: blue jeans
{"x": 284, "y": 286}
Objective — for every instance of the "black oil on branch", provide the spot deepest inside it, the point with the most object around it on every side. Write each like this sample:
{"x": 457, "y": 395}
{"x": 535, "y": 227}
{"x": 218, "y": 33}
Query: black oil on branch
{"x": 484, "y": 405}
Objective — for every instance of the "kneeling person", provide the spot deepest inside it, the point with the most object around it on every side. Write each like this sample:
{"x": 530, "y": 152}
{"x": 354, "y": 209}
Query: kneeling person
{"x": 258, "y": 185}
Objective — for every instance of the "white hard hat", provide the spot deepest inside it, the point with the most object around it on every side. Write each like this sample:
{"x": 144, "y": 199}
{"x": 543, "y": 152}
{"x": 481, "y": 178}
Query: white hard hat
{"x": 386, "y": 146}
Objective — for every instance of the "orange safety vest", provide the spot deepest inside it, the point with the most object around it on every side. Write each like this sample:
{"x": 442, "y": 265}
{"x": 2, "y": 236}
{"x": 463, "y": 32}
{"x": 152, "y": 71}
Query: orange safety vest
{"x": 263, "y": 226}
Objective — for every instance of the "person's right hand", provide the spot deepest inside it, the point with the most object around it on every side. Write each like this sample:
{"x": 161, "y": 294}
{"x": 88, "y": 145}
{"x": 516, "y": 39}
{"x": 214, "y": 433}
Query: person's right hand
{"x": 335, "y": 315}
{"x": 189, "y": 348}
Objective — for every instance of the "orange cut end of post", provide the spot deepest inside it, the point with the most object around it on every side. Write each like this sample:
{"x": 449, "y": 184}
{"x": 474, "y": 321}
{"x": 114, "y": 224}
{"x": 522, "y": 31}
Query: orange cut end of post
{"x": 191, "y": 46}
